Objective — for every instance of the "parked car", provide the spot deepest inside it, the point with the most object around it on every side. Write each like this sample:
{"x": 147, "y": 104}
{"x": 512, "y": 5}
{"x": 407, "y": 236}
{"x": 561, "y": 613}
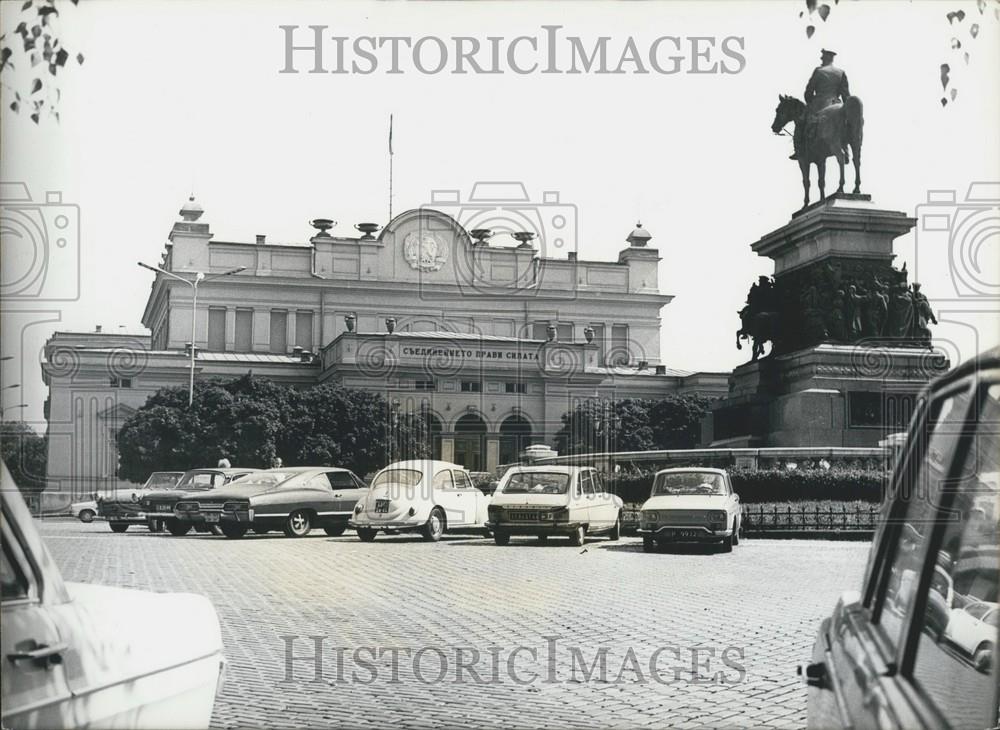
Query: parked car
{"x": 553, "y": 500}
{"x": 691, "y": 505}
{"x": 85, "y": 511}
{"x": 162, "y": 502}
{"x": 292, "y": 499}
{"x": 426, "y": 496}
{"x": 78, "y": 655}
{"x": 914, "y": 647}
{"x": 122, "y": 506}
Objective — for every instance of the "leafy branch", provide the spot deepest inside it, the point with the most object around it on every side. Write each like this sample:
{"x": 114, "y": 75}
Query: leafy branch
{"x": 36, "y": 40}
{"x": 956, "y": 22}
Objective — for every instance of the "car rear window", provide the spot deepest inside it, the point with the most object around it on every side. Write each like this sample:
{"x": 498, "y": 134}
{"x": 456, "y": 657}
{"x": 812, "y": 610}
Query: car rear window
{"x": 265, "y": 479}
{"x": 401, "y": 477}
{"x": 536, "y": 482}
{"x": 687, "y": 483}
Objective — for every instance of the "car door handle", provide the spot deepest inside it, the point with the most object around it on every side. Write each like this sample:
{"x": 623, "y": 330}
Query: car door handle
{"x": 42, "y": 654}
{"x": 337, "y": 495}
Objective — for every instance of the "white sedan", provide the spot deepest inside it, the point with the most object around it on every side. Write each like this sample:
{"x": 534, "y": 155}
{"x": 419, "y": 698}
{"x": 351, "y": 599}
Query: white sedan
{"x": 425, "y": 496}
{"x": 691, "y": 505}
{"x": 78, "y": 655}
{"x": 84, "y": 511}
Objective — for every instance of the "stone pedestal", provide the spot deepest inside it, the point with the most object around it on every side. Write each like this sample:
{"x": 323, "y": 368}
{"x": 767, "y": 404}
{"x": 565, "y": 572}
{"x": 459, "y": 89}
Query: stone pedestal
{"x": 826, "y": 395}
{"x": 847, "y": 354}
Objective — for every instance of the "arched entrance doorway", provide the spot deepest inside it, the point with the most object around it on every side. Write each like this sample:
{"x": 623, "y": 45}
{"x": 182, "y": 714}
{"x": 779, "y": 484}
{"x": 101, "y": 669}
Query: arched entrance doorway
{"x": 515, "y": 436}
{"x": 470, "y": 432}
{"x": 434, "y": 429}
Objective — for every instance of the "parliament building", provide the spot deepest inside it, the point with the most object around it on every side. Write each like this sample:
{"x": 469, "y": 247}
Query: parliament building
{"x": 492, "y": 343}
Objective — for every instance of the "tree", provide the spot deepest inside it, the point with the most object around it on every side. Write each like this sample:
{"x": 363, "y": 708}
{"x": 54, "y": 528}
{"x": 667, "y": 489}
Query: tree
{"x": 631, "y": 424}
{"x": 26, "y": 455}
{"x": 251, "y": 421}
{"x": 39, "y": 44}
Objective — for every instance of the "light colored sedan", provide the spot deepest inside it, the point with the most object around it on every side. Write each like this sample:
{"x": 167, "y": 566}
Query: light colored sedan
{"x": 690, "y": 505}
{"x": 84, "y": 511}
{"x": 554, "y": 500}
{"x": 78, "y": 655}
{"x": 425, "y": 496}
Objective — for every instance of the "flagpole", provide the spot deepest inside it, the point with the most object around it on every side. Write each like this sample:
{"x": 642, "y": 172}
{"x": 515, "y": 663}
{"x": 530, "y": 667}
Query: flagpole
{"x": 390, "y": 167}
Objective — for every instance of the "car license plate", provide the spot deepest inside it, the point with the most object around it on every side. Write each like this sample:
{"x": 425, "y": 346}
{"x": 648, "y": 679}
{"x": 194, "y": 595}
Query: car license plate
{"x": 211, "y": 517}
{"x": 686, "y": 533}
{"x": 164, "y": 508}
{"x": 381, "y": 505}
{"x": 524, "y": 516}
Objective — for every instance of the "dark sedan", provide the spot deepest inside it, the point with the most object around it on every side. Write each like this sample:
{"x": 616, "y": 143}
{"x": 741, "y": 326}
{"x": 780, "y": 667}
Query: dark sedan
{"x": 160, "y": 504}
{"x": 292, "y": 499}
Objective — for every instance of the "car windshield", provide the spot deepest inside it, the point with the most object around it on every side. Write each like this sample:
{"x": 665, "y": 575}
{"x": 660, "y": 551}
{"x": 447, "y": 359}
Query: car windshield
{"x": 162, "y": 480}
{"x": 201, "y": 480}
{"x": 537, "y": 482}
{"x": 264, "y": 479}
{"x": 688, "y": 482}
{"x": 400, "y": 477}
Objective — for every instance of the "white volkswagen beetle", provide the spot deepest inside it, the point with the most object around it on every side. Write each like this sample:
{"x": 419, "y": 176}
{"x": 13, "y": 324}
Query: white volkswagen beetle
{"x": 690, "y": 505}
{"x": 425, "y": 496}
{"x": 78, "y": 655}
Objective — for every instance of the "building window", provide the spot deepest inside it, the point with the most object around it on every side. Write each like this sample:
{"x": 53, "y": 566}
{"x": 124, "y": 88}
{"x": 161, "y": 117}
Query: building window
{"x": 279, "y": 331}
{"x": 515, "y": 387}
{"x": 304, "y": 330}
{"x": 472, "y": 386}
{"x": 244, "y": 330}
{"x": 117, "y": 382}
{"x": 425, "y": 385}
{"x": 539, "y": 330}
{"x": 217, "y": 329}
{"x": 564, "y": 331}
{"x": 619, "y": 353}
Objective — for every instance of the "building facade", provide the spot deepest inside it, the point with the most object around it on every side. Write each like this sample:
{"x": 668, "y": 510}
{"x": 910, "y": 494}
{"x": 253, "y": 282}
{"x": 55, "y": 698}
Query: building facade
{"x": 493, "y": 343}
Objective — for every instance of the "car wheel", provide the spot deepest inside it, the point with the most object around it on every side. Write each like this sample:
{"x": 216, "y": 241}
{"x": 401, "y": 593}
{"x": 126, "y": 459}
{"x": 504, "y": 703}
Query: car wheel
{"x": 434, "y": 527}
{"x": 501, "y": 538}
{"x": 578, "y": 536}
{"x": 543, "y": 538}
{"x": 154, "y": 525}
{"x": 86, "y": 515}
{"x": 366, "y": 535}
{"x": 298, "y": 524}
{"x": 119, "y": 526}
{"x": 648, "y": 544}
{"x": 233, "y": 530}
{"x": 727, "y": 544}
{"x": 335, "y": 530}
{"x": 736, "y": 533}
{"x": 177, "y": 528}
{"x": 616, "y": 531}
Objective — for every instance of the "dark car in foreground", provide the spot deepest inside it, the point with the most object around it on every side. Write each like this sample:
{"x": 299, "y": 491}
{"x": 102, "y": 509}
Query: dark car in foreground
{"x": 291, "y": 499}
{"x": 160, "y": 504}
{"x": 122, "y": 508}
{"x": 916, "y": 647}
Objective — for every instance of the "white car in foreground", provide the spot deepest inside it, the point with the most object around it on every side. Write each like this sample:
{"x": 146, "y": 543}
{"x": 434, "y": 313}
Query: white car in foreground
{"x": 77, "y": 655}
{"x": 425, "y": 496}
{"x": 690, "y": 505}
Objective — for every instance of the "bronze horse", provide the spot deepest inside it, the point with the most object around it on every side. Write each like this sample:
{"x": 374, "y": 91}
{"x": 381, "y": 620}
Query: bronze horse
{"x": 842, "y": 128}
{"x": 761, "y": 327}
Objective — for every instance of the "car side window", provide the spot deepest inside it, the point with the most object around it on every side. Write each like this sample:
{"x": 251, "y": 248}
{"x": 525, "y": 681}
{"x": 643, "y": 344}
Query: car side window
{"x": 444, "y": 480}
{"x": 358, "y": 483}
{"x": 917, "y": 497}
{"x": 12, "y": 581}
{"x": 588, "y": 484}
{"x": 341, "y": 479}
{"x": 465, "y": 480}
{"x": 599, "y": 483}
{"x": 955, "y": 652}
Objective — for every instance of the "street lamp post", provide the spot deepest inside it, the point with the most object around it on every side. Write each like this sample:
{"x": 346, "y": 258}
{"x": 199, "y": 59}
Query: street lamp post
{"x": 193, "y": 283}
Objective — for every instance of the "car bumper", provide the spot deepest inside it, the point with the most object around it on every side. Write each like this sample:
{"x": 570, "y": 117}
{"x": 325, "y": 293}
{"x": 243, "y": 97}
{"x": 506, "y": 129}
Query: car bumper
{"x": 397, "y": 525}
{"x": 684, "y": 533}
{"x": 533, "y": 528}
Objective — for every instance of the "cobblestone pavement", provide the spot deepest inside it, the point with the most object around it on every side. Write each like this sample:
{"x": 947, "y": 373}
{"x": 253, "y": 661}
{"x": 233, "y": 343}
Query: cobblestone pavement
{"x": 527, "y": 621}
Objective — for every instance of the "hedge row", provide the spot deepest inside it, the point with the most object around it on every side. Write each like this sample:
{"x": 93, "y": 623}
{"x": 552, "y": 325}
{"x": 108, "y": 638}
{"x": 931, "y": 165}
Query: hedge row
{"x": 775, "y": 485}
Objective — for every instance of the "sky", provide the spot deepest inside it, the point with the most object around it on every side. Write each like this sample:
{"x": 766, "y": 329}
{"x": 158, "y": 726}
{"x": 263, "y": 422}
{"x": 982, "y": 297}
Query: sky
{"x": 179, "y": 97}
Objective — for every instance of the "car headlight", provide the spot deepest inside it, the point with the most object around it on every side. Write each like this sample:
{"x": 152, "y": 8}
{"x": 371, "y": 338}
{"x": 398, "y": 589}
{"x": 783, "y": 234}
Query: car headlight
{"x": 357, "y": 508}
{"x": 648, "y": 516}
{"x": 717, "y": 515}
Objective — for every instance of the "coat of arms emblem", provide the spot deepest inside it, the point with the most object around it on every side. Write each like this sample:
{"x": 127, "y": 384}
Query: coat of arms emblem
{"x": 424, "y": 251}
